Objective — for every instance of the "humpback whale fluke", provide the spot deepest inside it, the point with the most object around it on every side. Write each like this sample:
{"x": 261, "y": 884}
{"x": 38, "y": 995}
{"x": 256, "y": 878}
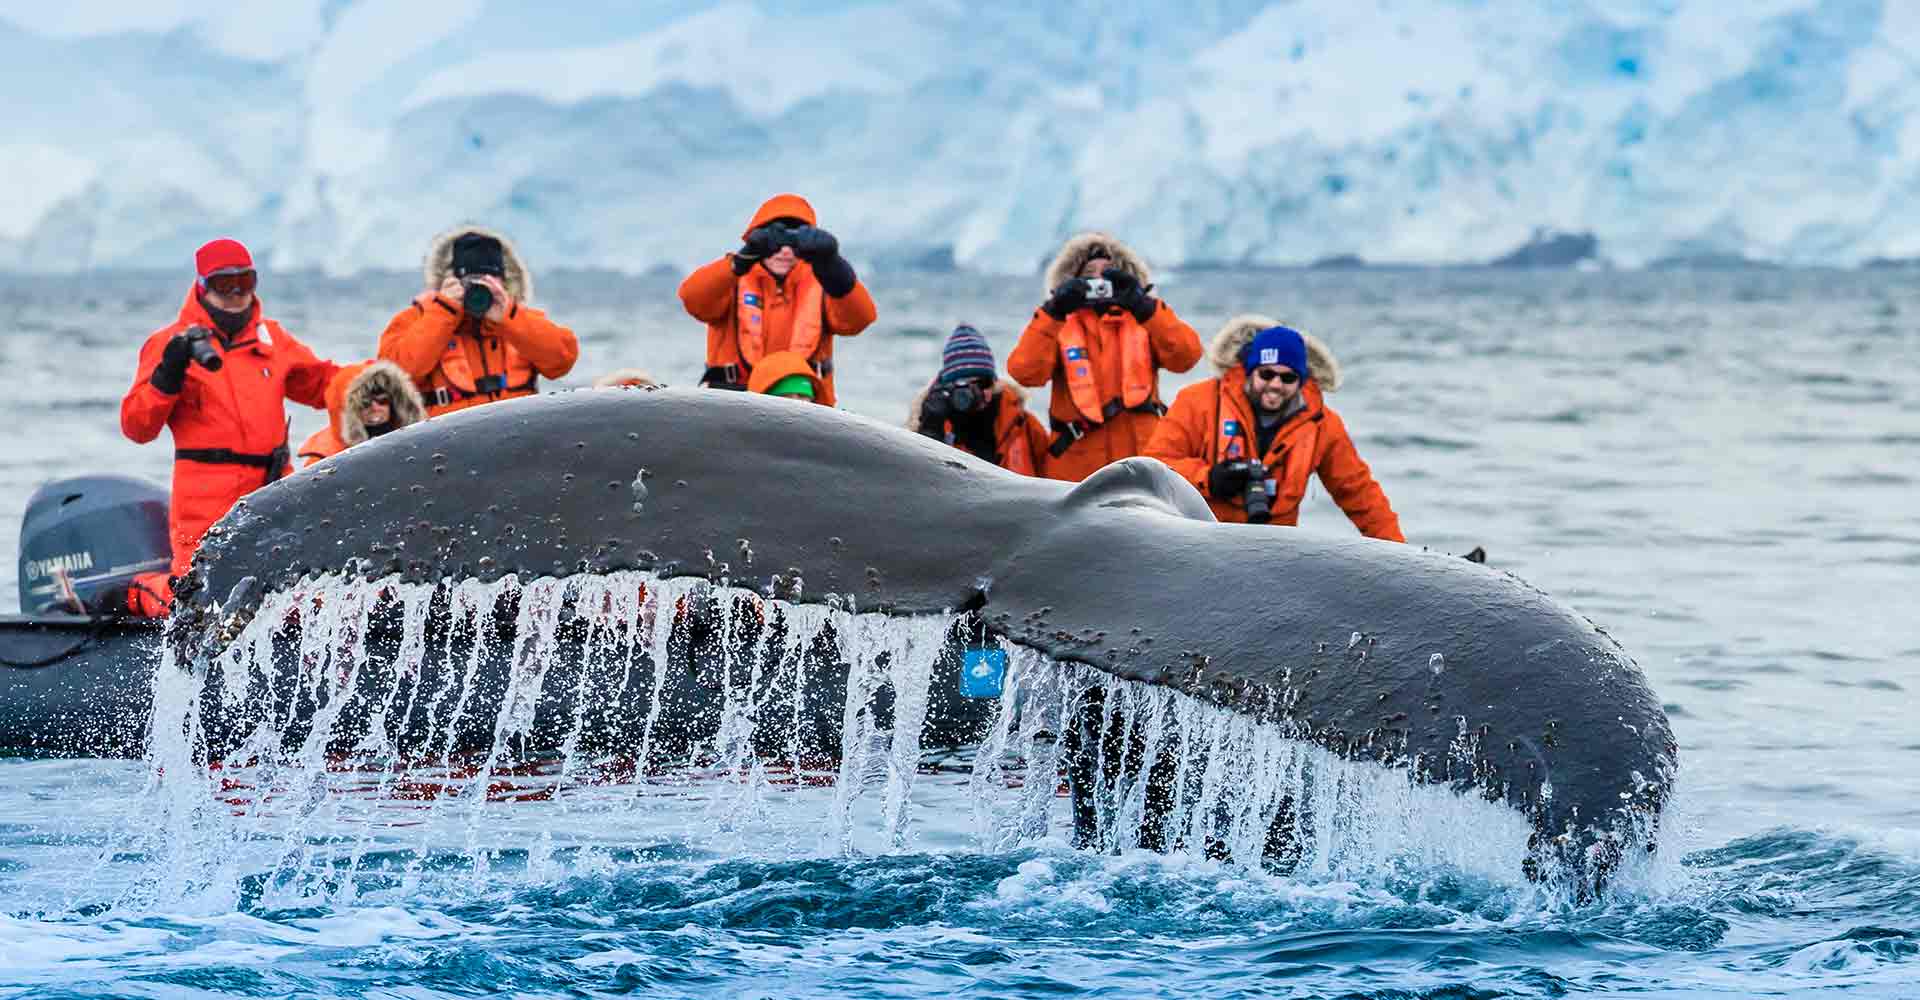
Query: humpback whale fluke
{"x": 1373, "y": 652}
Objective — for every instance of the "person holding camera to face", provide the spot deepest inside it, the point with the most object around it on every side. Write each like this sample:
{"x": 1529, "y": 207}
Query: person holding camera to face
{"x": 218, "y": 378}
{"x": 967, "y": 406}
{"x": 786, "y": 289}
{"x": 473, "y": 337}
{"x": 1101, "y": 338}
{"x": 1250, "y": 438}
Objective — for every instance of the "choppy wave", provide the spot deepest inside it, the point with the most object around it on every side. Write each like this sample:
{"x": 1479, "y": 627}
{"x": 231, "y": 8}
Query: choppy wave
{"x": 1780, "y": 910}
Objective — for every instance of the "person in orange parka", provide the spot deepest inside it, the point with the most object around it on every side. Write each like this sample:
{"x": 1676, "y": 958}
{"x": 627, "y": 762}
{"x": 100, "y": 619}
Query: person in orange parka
{"x": 787, "y": 373}
{"x": 364, "y": 401}
{"x": 1264, "y": 424}
{"x": 218, "y": 378}
{"x": 786, "y": 289}
{"x": 1103, "y": 356}
{"x": 967, "y": 406}
{"x": 460, "y": 360}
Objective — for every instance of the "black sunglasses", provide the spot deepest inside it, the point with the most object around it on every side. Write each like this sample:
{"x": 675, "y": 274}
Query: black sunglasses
{"x": 1286, "y": 376}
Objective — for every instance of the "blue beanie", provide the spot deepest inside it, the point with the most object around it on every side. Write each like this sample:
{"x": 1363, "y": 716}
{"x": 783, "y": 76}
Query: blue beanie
{"x": 967, "y": 355}
{"x": 1277, "y": 345}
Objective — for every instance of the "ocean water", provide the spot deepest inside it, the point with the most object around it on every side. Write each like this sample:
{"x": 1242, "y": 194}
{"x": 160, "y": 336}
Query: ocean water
{"x": 1719, "y": 468}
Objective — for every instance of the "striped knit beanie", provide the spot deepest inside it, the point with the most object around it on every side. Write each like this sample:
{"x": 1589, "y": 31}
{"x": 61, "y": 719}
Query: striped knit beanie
{"x": 967, "y": 355}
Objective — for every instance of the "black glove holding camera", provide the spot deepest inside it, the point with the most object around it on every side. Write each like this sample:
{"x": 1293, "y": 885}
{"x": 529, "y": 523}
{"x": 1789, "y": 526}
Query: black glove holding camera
{"x": 1071, "y": 295}
{"x": 1228, "y": 480}
{"x": 1239, "y": 479}
{"x": 186, "y": 347}
{"x": 957, "y": 401}
{"x": 1128, "y": 295}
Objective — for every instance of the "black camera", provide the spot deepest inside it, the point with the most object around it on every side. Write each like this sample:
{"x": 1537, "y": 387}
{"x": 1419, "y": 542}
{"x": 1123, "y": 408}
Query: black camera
{"x": 948, "y": 401}
{"x": 1259, "y": 505}
{"x": 203, "y": 353}
{"x": 477, "y": 300}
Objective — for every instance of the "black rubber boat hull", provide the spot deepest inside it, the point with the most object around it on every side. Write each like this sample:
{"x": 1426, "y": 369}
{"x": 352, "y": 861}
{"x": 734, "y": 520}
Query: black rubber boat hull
{"x": 74, "y": 687}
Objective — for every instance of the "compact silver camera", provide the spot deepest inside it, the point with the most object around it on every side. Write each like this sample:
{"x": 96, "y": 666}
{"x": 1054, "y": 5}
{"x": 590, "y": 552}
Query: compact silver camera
{"x": 1099, "y": 290}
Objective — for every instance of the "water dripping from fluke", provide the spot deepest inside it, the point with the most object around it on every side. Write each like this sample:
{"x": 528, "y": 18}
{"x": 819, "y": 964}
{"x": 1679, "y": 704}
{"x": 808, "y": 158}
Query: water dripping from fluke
{"x": 355, "y": 734}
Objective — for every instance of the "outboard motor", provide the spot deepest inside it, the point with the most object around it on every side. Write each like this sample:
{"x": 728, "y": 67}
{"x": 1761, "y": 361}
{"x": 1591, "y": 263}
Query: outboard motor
{"x": 85, "y": 538}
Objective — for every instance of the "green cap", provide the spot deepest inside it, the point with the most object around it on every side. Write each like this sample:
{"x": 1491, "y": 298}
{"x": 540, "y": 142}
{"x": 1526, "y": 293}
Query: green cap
{"x": 792, "y": 385}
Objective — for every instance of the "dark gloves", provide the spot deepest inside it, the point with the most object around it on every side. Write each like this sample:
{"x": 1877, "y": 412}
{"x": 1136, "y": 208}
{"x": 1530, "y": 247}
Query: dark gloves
{"x": 821, "y": 251}
{"x": 1229, "y": 480}
{"x": 759, "y": 243}
{"x": 1071, "y": 295}
{"x": 170, "y": 375}
{"x": 934, "y": 412}
{"x": 814, "y": 244}
{"x": 1128, "y": 295}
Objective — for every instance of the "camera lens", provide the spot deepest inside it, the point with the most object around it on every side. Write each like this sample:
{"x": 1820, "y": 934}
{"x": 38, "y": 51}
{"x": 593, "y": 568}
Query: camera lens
{"x": 965, "y": 398}
{"x": 477, "y": 300}
{"x": 203, "y": 352}
{"x": 1259, "y": 505}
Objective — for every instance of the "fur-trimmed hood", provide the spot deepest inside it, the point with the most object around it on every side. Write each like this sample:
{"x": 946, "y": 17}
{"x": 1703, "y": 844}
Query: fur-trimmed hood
{"x": 1224, "y": 352}
{"x": 439, "y": 263}
{"x": 378, "y": 377}
{"x": 1075, "y": 253}
{"x": 1006, "y": 386}
{"x": 636, "y": 377}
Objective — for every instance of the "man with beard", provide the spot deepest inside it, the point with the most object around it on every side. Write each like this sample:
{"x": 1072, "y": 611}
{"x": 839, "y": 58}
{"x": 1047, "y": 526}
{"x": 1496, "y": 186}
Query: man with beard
{"x": 218, "y": 377}
{"x": 1252, "y": 437}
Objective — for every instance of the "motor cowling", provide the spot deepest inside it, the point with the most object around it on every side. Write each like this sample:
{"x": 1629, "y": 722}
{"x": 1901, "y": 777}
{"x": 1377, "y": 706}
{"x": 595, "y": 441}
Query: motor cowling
{"x": 84, "y": 539}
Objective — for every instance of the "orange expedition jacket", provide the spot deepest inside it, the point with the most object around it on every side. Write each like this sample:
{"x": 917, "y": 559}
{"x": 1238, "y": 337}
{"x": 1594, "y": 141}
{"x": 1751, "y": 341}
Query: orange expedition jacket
{"x": 753, "y": 315}
{"x": 459, "y": 362}
{"x": 1213, "y": 421}
{"x": 1018, "y": 434}
{"x": 347, "y": 394}
{"x": 1104, "y": 366}
{"x": 1101, "y": 357}
{"x": 781, "y": 364}
{"x": 226, "y": 425}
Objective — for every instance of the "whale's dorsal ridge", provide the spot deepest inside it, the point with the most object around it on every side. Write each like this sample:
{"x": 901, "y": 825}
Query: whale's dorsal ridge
{"x": 1140, "y": 482}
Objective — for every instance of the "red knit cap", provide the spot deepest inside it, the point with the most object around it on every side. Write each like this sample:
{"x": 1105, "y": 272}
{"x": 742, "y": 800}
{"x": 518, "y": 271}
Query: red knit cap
{"x": 221, "y": 255}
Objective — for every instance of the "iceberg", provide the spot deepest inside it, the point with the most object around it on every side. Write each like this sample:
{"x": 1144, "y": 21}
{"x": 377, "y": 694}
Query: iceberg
{"x": 342, "y": 135}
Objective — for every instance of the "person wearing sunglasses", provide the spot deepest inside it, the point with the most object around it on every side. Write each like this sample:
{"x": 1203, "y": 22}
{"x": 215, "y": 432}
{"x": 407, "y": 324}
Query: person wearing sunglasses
{"x": 364, "y": 401}
{"x": 970, "y": 407}
{"x": 1251, "y": 437}
{"x": 218, "y": 378}
{"x": 786, "y": 289}
{"x": 473, "y": 336}
{"x": 1101, "y": 338}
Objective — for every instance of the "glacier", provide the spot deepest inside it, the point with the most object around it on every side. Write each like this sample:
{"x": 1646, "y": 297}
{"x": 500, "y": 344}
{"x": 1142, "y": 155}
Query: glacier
{"x": 340, "y": 136}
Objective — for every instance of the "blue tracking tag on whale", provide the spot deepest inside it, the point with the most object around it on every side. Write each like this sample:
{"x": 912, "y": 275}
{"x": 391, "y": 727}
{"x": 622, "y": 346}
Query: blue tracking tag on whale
{"x": 983, "y": 672}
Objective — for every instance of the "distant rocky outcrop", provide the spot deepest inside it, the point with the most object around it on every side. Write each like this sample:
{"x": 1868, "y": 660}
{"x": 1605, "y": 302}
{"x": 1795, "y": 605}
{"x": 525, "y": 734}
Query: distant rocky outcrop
{"x": 1549, "y": 249}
